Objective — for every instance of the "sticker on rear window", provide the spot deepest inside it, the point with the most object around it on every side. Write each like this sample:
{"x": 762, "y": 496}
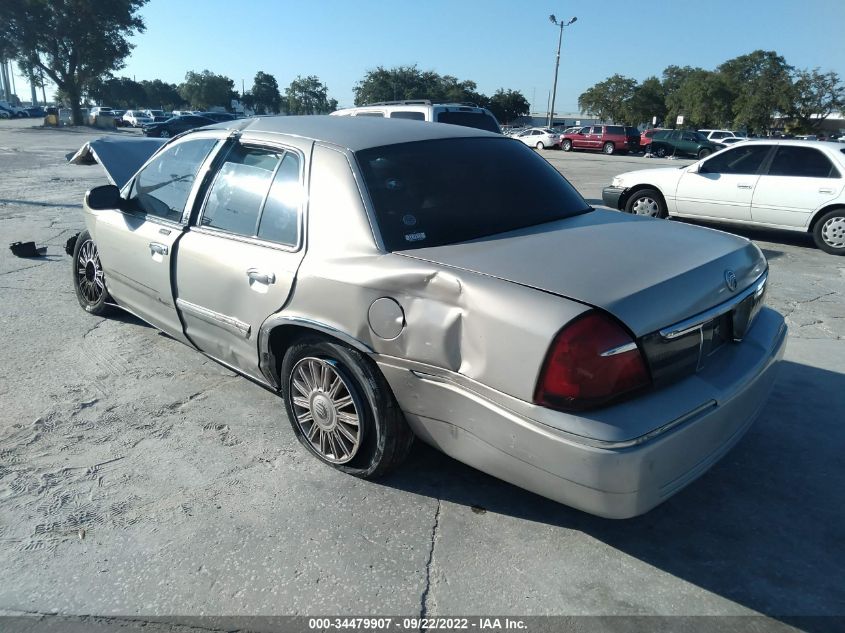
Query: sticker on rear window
{"x": 409, "y": 220}
{"x": 414, "y": 237}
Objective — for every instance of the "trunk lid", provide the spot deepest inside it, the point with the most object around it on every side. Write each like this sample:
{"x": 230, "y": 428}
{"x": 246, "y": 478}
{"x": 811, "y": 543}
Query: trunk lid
{"x": 647, "y": 273}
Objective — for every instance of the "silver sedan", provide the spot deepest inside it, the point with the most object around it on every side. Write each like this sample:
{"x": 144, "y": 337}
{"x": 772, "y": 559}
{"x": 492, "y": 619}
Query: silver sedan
{"x": 395, "y": 279}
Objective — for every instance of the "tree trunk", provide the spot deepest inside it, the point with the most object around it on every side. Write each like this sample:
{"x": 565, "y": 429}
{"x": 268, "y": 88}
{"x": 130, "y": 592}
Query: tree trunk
{"x": 73, "y": 95}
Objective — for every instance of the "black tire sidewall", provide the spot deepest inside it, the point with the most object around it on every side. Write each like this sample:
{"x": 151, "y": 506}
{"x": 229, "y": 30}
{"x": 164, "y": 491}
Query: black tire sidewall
{"x": 566, "y": 146}
{"x": 99, "y": 308}
{"x": 817, "y": 232}
{"x": 608, "y": 148}
{"x": 647, "y": 193}
{"x": 369, "y": 391}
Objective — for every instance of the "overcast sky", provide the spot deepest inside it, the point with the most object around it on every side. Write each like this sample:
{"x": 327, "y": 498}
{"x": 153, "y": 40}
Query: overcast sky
{"x": 497, "y": 43}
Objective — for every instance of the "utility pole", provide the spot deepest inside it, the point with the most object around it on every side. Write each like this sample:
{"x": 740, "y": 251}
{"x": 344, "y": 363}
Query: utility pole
{"x": 561, "y": 24}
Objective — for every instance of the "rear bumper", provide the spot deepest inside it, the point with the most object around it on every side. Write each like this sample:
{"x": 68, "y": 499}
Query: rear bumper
{"x": 611, "y": 481}
{"x": 611, "y": 195}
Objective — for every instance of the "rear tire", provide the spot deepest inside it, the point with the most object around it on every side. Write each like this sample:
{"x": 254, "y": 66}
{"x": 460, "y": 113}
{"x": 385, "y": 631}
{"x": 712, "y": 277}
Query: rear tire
{"x": 829, "y": 232}
{"x": 566, "y": 146}
{"x": 704, "y": 153}
{"x": 165, "y": 134}
{"x": 647, "y": 202}
{"x": 660, "y": 151}
{"x": 540, "y": 145}
{"x": 608, "y": 148}
{"x": 325, "y": 386}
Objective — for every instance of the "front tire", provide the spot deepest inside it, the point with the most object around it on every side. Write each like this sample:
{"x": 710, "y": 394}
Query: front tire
{"x": 342, "y": 409}
{"x": 89, "y": 283}
{"x": 704, "y": 153}
{"x": 165, "y": 134}
{"x": 660, "y": 151}
{"x": 829, "y": 232}
{"x": 647, "y": 202}
{"x": 608, "y": 148}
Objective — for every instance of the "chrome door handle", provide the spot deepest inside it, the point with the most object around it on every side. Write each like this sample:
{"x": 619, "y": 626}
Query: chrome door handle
{"x": 264, "y": 278}
{"x": 161, "y": 249}
{"x": 744, "y": 186}
{"x": 826, "y": 191}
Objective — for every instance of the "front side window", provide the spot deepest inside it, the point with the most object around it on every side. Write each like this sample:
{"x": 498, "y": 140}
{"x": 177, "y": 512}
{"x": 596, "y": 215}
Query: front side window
{"x": 791, "y": 160}
{"x": 446, "y": 191}
{"x": 161, "y": 189}
{"x": 739, "y": 160}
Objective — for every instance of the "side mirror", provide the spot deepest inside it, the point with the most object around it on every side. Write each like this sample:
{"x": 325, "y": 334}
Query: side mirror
{"x": 103, "y": 198}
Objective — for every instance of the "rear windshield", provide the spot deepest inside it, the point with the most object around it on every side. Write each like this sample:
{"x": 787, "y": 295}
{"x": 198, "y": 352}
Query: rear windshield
{"x": 478, "y": 120}
{"x": 446, "y": 191}
{"x": 632, "y": 131}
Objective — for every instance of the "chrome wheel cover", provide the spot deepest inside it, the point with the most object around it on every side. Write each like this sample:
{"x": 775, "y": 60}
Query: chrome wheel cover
{"x": 325, "y": 410}
{"x": 833, "y": 232}
{"x": 89, "y": 272}
{"x": 646, "y": 206}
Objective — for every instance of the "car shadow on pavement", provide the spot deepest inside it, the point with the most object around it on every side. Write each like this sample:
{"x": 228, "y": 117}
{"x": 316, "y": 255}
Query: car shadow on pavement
{"x": 789, "y": 238}
{"x": 763, "y": 528}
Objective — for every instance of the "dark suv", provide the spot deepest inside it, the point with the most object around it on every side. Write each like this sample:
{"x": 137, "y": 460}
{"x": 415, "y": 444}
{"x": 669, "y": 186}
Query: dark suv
{"x": 682, "y": 142}
{"x": 605, "y": 138}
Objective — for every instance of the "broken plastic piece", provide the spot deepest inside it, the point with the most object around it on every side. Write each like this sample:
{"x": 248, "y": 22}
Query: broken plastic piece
{"x": 27, "y": 249}
{"x": 71, "y": 244}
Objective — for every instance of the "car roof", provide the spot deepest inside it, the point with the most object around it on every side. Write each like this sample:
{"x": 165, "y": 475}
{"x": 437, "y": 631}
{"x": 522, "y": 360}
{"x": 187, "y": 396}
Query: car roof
{"x": 353, "y": 133}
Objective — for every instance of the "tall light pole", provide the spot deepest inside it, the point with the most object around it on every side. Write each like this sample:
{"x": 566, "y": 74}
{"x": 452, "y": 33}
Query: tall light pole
{"x": 561, "y": 24}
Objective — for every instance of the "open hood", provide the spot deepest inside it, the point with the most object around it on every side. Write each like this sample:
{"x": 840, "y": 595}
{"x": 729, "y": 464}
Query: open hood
{"x": 120, "y": 157}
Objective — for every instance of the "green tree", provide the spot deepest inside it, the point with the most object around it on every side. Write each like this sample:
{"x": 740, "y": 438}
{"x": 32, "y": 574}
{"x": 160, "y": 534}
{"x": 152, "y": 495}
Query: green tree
{"x": 205, "y": 90}
{"x": 704, "y": 97}
{"x": 409, "y": 82}
{"x": 506, "y": 105}
{"x": 160, "y": 94}
{"x": 308, "y": 95}
{"x": 74, "y": 42}
{"x": 763, "y": 85}
{"x": 607, "y": 99}
{"x": 647, "y": 101}
{"x": 265, "y": 96}
{"x": 816, "y": 95}
{"x": 117, "y": 92}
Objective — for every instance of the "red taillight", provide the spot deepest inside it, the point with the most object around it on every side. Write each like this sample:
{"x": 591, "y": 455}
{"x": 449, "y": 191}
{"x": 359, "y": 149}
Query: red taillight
{"x": 592, "y": 361}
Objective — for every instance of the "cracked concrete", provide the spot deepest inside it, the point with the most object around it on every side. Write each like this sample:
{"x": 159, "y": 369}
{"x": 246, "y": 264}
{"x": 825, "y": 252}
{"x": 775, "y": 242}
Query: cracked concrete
{"x": 195, "y": 498}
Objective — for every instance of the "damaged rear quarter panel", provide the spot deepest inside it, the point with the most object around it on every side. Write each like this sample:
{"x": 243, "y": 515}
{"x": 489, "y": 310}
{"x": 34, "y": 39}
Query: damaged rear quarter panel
{"x": 491, "y": 331}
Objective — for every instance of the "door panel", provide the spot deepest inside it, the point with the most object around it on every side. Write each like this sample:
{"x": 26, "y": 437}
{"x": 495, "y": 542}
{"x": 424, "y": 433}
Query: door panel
{"x": 136, "y": 253}
{"x": 790, "y": 201}
{"x": 226, "y": 288}
{"x": 708, "y": 195}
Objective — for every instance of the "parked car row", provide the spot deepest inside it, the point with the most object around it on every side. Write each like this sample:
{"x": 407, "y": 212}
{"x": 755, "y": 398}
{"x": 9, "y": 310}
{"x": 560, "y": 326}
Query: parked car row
{"x": 782, "y": 184}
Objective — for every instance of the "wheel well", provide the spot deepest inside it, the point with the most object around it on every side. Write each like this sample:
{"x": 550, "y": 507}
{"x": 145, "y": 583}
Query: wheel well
{"x": 282, "y": 336}
{"x": 623, "y": 201}
{"x": 820, "y": 213}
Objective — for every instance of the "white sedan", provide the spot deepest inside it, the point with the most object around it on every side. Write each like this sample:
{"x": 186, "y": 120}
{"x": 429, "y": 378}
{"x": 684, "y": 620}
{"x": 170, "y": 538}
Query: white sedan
{"x": 791, "y": 185}
{"x": 539, "y": 138}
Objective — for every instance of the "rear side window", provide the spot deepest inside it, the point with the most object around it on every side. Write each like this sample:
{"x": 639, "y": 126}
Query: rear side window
{"x": 162, "y": 187}
{"x": 803, "y": 162}
{"x": 615, "y": 129}
{"x": 415, "y": 116}
{"x": 235, "y": 199}
{"x": 740, "y": 160}
{"x": 280, "y": 219}
{"x": 632, "y": 131}
{"x": 477, "y": 120}
{"x": 446, "y": 191}
{"x": 378, "y": 114}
